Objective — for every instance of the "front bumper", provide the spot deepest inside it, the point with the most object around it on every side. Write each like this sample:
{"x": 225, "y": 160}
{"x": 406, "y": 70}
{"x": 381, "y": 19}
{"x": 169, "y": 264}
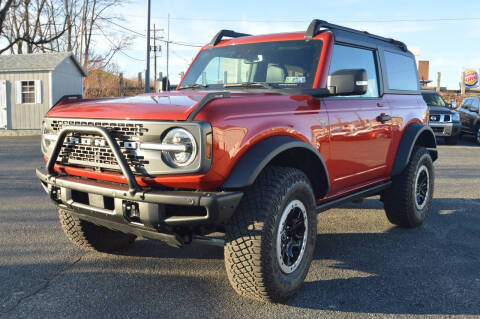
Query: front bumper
{"x": 446, "y": 129}
{"x": 157, "y": 213}
{"x": 150, "y": 213}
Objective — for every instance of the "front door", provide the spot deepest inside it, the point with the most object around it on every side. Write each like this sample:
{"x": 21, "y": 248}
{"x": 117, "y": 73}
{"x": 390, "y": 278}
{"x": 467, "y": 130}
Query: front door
{"x": 3, "y": 104}
{"x": 360, "y": 126}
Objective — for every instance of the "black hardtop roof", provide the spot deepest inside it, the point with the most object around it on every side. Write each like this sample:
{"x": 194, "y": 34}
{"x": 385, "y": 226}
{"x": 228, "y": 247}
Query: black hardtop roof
{"x": 341, "y": 34}
{"x": 349, "y": 35}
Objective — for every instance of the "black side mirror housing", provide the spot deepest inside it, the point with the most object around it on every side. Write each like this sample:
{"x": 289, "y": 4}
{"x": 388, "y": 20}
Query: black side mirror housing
{"x": 348, "y": 82}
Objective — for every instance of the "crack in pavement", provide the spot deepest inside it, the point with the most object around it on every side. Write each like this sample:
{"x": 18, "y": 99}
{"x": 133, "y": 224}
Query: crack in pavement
{"x": 41, "y": 287}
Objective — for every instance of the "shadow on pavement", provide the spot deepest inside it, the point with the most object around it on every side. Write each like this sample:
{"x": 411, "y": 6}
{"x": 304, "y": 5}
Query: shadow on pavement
{"x": 429, "y": 270}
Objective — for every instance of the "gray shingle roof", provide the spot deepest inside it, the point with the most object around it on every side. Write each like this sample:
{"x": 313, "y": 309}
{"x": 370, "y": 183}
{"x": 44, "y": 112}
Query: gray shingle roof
{"x": 36, "y": 62}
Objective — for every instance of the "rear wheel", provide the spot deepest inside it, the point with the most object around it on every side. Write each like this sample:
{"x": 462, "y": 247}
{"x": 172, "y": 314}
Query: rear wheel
{"x": 451, "y": 140}
{"x": 407, "y": 203}
{"x": 92, "y": 237}
{"x": 271, "y": 237}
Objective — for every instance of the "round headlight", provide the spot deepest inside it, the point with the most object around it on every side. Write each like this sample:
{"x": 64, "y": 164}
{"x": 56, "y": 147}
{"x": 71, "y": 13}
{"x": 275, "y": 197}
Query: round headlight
{"x": 179, "y": 148}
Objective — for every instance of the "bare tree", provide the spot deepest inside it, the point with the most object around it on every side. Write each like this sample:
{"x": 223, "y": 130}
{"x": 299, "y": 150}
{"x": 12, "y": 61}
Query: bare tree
{"x": 26, "y": 26}
{"x": 4, "y": 7}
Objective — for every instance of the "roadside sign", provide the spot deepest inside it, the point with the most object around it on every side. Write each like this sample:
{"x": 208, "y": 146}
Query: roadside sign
{"x": 472, "y": 78}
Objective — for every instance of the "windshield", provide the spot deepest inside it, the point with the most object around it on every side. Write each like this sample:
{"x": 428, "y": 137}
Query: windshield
{"x": 285, "y": 64}
{"x": 434, "y": 100}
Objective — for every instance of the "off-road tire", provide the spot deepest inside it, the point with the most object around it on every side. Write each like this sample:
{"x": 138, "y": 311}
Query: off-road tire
{"x": 251, "y": 236}
{"x": 400, "y": 200}
{"x": 93, "y": 237}
{"x": 451, "y": 140}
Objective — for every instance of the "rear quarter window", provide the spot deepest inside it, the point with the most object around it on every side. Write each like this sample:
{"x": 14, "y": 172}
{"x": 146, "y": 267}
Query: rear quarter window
{"x": 401, "y": 72}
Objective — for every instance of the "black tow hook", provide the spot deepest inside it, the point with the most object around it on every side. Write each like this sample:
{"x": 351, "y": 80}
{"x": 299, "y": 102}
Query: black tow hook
{"x": 131, "y": 211}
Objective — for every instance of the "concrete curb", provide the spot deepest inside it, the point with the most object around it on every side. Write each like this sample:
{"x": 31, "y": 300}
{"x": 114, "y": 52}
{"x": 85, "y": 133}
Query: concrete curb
{"x": 19, "y": 132}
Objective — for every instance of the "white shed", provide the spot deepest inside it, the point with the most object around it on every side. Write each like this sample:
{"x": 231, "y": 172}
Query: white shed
{"x": 30, "y": 84}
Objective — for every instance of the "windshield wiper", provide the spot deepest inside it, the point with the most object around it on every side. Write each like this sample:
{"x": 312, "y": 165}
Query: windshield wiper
{"x": 248, "y": 85}
{"x": 192, "y": 86}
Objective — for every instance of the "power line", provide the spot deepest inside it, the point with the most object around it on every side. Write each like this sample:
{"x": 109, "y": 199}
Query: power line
{"x": 332, "y": 20}
{"x": 119, "y": 49}
{"x": 159, "y": 39}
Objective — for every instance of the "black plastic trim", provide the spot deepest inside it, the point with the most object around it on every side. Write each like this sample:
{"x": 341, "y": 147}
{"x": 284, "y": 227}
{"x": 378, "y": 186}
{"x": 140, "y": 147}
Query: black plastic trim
{"x": 258, "y": 156}
{"x": 226, "y": 33}
{"x": 219, "y": 206}
{"x": 204, "y": 101}
{"x": 367, "y": 192}
{"x": 410, "y": 136}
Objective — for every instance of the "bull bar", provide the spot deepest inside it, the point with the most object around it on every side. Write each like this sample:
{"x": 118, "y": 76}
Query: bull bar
{"x": 152, "y": 218}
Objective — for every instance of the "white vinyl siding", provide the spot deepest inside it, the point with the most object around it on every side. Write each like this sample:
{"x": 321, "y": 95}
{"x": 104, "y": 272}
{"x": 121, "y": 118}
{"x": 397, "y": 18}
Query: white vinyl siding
{"x": 25, "y": 116}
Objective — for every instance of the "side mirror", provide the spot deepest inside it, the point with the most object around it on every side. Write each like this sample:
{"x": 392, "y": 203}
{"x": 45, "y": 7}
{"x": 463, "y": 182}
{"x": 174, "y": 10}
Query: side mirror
{"x": 348, "y": 82}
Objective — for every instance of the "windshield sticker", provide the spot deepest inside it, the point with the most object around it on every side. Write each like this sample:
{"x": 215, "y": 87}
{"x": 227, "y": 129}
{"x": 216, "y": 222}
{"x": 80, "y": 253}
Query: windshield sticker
{"x": 295, "y": 79}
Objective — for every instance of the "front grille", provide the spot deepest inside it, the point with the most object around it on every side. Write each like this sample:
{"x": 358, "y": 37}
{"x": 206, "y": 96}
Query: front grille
{"x": 93, "y": 151}
{"x": 446, "y": 118}
{"x": 438, "y": 129}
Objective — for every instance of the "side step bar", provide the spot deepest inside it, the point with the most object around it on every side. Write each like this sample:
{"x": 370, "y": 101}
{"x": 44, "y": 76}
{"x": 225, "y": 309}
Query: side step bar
{"x": 372, "y": 191}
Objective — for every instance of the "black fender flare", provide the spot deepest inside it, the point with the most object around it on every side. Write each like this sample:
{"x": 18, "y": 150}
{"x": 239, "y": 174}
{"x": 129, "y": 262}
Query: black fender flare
{"x": 413, "y": 134}
{"x": 255, "y": 159}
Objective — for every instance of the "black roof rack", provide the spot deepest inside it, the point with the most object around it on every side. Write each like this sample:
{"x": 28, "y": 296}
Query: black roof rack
{"x": 316, "y": 25}
{"x": 226, "y": 33}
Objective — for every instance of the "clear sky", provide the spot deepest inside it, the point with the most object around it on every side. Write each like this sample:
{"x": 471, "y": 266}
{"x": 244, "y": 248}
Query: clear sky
{"x": 447, "y": 32}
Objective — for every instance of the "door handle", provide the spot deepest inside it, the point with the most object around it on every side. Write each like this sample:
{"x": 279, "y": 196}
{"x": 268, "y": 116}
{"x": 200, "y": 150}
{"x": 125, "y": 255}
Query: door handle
{"x": 379, "y": 104}
{"x": 383, "y": 117}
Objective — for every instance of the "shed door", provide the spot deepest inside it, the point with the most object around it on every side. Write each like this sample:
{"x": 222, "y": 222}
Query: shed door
{"x": 3, "y": 104}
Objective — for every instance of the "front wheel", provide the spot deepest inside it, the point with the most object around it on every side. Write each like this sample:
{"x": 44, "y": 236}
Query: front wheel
{"x": 271, "y": 237}
{"x": 89, "y": 236}
{"x": 407, "y": 203}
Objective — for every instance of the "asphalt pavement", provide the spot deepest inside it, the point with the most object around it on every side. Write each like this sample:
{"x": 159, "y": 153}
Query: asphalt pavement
{"x": 363, "y": 266}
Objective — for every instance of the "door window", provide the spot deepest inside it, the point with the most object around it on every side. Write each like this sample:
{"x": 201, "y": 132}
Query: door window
{"x": 346, "y": 57}
{"x": 401, "y": 72}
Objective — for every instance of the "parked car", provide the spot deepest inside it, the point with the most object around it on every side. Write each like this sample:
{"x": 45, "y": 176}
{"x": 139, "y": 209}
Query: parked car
{"x": 444, "y": 121}
{"x": 263, "y": 133}
{"x": 470, "y": 117}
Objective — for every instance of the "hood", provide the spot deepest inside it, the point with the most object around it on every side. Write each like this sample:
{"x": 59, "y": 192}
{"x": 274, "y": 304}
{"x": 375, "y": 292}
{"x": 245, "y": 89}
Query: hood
{"x": 440, "y": 110}
{"x": 174, "y": 106}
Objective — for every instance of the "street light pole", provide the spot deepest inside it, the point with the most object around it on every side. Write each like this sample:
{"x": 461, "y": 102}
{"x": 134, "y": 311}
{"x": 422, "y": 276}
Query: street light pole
{"x": 147, "y": 71}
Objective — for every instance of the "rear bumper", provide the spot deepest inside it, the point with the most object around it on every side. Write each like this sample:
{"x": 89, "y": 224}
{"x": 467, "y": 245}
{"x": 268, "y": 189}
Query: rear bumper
{"x": 149, "y": 213}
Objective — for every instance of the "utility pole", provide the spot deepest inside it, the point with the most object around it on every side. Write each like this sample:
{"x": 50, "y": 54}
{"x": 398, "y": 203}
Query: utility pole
{"x": 147, "y": 72}
{"x": 168, "y": 44}
{"x": 154, "y": 57}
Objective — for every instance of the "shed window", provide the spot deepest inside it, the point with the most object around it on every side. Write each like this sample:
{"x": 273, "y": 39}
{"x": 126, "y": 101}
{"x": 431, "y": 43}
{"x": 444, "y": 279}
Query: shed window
{"x": 28, "y": 92}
